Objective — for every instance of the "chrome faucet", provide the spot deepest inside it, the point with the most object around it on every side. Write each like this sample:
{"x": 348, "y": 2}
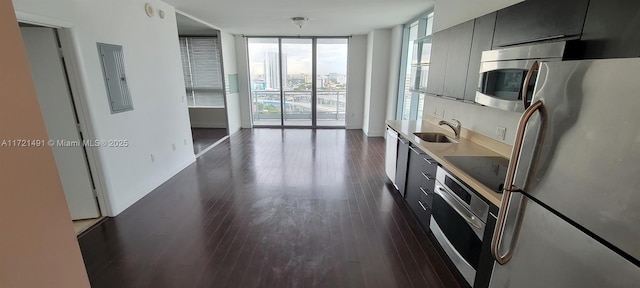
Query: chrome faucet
{"x": 456, "y": 129}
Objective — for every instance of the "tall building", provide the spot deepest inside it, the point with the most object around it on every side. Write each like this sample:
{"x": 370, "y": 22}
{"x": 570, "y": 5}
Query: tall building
{"x": 272, "y": 70}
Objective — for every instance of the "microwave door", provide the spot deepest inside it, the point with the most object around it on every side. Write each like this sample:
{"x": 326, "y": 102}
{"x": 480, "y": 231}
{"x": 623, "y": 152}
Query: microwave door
{"x": 500, "y": 84}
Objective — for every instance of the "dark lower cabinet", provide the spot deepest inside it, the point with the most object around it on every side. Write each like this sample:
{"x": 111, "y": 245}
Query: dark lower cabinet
{"x": 485, "y": 265}
{"x": 536, "y": 20}
{"x": 482, "y": 40}
{"x": 414, "y": 178}
{"x": 611, "y": 30}
{"x": 420, "y": 184}
{"x": 401, "y": 165}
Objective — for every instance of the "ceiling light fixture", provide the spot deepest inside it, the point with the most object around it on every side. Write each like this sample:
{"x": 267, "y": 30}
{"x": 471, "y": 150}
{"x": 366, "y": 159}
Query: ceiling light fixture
{"x": 300, "y": 21}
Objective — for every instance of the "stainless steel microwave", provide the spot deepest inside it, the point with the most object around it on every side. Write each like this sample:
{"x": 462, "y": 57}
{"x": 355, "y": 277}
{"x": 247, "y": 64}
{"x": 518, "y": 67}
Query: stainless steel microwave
{"x": 508, "y": 76}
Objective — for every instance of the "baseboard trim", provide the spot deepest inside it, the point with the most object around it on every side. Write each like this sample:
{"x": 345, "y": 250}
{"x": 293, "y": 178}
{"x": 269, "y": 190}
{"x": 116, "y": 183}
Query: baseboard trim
{"x": 375, "y": 134}
{"x": 208, "y": 125}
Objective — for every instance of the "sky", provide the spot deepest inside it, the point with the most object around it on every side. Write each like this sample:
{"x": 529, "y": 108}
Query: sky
{"x": 332, "y": 58}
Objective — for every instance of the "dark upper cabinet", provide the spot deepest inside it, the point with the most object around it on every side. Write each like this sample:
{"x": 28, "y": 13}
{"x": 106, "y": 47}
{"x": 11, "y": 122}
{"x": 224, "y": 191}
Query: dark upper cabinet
{"x": 534, "y": 20}
{"x": 482, "y": 39}
{"x": 611, "y": 29}
{"x": 438, "y": 62}
{"x": 459, "y": 39}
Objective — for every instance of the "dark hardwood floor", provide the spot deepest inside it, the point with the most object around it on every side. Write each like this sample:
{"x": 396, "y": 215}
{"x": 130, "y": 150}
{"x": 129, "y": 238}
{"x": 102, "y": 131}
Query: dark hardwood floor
{"x": 270, "y": 208}
{"x": 205, "y": 137}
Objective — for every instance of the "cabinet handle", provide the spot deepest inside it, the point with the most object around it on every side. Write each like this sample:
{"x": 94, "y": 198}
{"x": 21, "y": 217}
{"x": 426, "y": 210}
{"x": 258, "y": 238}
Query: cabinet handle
{"x": 401, "y": 140}
{"x": 540, "y": 39}
{"x": 428, "y": 161}
{"x": 425, "y": 192}
{"x": 421, "y": 205}
{"x": 414, "y": 150}
{"x": 426, "y": 176}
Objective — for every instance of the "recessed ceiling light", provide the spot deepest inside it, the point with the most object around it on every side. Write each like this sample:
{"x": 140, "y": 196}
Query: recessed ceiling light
{"x": 300, "y": 21}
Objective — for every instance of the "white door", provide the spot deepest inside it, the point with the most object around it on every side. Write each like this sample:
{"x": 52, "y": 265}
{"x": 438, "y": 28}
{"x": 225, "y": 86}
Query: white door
{"x": 60, "y": 119}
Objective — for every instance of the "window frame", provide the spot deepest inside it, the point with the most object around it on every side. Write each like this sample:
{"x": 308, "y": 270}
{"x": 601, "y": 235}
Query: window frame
{"x": 314, "y": 90}
{"x": 423, "y": 31}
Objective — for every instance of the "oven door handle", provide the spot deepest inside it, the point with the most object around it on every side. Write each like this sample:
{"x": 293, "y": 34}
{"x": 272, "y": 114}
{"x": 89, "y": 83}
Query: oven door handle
{"x": 461, "y": 210}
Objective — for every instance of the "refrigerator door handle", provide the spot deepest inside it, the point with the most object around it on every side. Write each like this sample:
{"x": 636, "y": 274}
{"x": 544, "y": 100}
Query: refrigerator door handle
{"x": 525, "y": 87}
{"x": 509, "y": 187}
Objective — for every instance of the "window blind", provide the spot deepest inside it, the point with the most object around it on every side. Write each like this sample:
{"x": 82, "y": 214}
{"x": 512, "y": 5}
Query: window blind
{"x": 202, "y": 71}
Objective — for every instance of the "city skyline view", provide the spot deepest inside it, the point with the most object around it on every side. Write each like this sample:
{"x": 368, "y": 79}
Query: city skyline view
{"x": 333, "y": 57}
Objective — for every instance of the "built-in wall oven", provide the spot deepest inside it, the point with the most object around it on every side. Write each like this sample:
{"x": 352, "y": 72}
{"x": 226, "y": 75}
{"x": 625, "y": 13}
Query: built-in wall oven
{"x": 508, "y": 76}
{"x": 458, "y": 221}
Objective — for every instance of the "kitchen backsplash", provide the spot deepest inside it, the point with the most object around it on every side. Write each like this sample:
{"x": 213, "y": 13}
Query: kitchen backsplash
{"x": 480, "y": 119}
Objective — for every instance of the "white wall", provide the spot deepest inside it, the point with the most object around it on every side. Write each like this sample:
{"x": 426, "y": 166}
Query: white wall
{"x": 376, "y": 82}
{"x": 243, "y": 81}
{"x": 207, "y": 117}
{"x": 356, "y": 69}
{"x": 152, "y": 61}
{"x": 229, "y": 60}
{"x": 481, "y": 119}
{"x": 367, "y": 84}
{"x": 395, "y": 56}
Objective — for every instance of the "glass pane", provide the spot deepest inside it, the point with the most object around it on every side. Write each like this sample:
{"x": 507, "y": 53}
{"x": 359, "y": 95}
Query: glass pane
{"x": 406, "y": 106}
{"x": 297, "y": 68}
{"x": 407, "y": 95}
{"x": 430, "y": 24}
{"x": 264, "y": 75}
{"x": 332, "y": 81}
{"x": 421, "y": 107}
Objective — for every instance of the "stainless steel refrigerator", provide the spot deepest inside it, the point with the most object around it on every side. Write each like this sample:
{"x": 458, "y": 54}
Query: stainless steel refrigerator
{"x": 571, "y": 217}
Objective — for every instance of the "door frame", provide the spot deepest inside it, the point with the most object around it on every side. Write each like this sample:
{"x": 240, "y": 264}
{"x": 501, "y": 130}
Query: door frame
{"x": 78, "y": 92}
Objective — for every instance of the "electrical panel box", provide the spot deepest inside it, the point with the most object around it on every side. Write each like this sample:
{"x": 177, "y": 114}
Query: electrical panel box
{"x": 115, "y": 79}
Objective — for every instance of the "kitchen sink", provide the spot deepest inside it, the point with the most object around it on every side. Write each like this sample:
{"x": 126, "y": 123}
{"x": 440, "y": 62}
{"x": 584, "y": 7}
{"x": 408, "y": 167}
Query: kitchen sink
{"x": 434, "y": 137}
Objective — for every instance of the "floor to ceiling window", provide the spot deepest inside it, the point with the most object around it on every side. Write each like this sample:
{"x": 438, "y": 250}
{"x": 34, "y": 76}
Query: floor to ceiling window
{"x": 298, "y": 81}
{"x": 411, "y": 100}
{"x": 331, "y": 81}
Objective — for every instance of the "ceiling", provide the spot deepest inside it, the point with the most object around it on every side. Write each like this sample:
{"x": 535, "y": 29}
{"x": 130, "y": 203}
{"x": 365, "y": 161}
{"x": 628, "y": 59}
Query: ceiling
{"x": 190, "y": 27}
{"x": 326, "y": 17}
